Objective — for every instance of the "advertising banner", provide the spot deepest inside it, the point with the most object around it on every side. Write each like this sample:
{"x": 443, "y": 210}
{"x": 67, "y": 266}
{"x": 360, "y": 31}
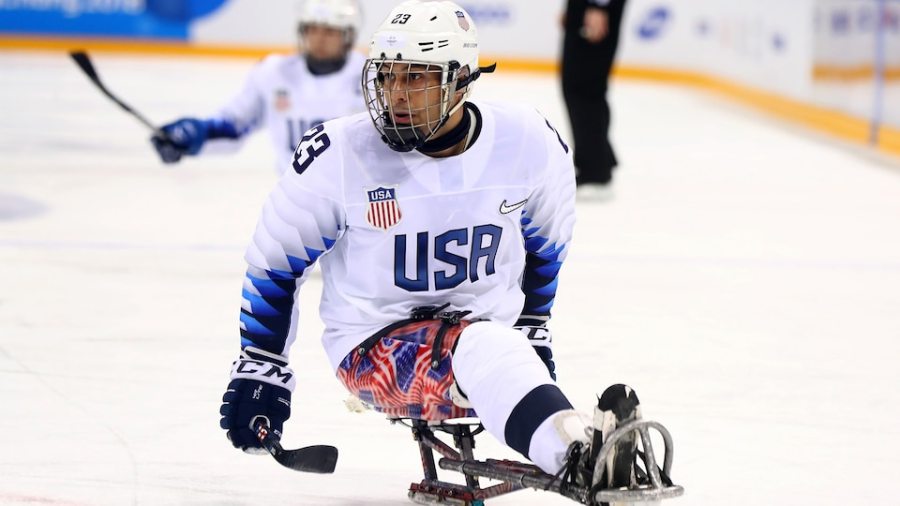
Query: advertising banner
{"x": 153, "y": 19}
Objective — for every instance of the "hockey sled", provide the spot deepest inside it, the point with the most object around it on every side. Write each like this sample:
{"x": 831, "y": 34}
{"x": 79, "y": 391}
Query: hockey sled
{"x": 510, "y": 476}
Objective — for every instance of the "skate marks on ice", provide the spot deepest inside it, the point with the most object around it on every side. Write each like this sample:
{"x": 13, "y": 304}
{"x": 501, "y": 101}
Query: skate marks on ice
{"x": 18, "y": 207}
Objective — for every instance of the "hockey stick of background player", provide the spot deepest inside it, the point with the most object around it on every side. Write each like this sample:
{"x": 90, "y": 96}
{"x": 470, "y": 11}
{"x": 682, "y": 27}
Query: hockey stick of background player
{"x": 84, "y": 63}
{"x": 320, "y": 459}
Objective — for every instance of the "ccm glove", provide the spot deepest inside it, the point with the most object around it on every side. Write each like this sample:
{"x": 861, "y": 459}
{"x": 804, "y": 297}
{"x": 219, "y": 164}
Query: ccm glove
{"x": 260, "y": 389}
{"x": 541, "y": 340}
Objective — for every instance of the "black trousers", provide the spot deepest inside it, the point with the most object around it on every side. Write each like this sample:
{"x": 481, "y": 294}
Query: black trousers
{"x": 585, "y": 78}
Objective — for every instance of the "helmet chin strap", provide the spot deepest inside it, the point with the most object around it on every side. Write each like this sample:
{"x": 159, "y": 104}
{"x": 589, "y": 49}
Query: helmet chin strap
{"x": 400, "y": 138}
{"x": 407, "y": 138}
{"x": 456, "y": 135}
{"x": 472, "y": 77}
{"x": 465, "y": 127}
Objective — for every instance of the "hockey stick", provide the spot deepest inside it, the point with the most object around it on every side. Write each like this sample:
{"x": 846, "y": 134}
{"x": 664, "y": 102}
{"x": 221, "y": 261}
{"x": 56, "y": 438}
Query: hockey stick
{"x": 84, "y": 63}
{"x": 320, "y": 459}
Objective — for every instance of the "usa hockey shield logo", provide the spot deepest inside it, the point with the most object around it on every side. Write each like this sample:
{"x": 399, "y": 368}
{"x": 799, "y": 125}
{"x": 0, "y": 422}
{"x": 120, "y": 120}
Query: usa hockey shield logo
{"x": 384, "y": 210}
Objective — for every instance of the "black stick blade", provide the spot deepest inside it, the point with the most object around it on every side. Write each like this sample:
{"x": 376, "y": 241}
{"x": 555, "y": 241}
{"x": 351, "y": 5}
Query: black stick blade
{"x": 84, "y": 62}
{"x": 320, "y": 459}
{"x": 311, "y": 459}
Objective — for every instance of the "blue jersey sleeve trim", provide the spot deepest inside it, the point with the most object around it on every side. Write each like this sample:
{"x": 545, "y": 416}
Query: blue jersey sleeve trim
{"x": 313, "y": 254}
{"x": 267, "y": 320}
{"x": 298, "y": 265}
{"x": 253, "y": 328}
{"x": 270, "y": 287}
{"x": 269, "y": 304}
{"x": 550, "y": 270}
{"x": 259, "y": 305}
{"x": 534, "y": 244}
{"x": 548, "y": 290}
{"x": 542, "y": 265}
{"x": 218, "y": 128}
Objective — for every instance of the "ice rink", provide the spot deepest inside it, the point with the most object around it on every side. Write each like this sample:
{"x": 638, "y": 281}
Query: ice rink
{"x": 745, "y": 280}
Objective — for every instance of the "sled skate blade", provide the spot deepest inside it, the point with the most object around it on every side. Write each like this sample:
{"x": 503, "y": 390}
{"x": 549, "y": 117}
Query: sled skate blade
{"x": 443, "y": 494}
{"x": 655, "y": 485}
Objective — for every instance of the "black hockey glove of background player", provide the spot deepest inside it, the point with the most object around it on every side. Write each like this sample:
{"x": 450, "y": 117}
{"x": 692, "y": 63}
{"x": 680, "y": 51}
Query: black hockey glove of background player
{"x": 540, "y": 338}
{"x": 260, "y": 389}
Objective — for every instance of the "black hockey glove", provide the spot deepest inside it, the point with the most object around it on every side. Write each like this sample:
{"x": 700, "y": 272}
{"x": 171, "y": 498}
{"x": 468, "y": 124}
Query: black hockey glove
{"x": 541, "y": 340}
{"x": 260, "y": 388}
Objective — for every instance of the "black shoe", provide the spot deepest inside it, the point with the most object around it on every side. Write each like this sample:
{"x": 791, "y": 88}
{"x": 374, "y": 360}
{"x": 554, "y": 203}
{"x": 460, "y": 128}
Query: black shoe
{"x": 617, "y": 406}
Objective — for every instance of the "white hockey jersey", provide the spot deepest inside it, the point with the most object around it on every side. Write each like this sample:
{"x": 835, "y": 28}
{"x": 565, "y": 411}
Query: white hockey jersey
{"x": 485, "y": 231}
{"x": 281, "y": 95}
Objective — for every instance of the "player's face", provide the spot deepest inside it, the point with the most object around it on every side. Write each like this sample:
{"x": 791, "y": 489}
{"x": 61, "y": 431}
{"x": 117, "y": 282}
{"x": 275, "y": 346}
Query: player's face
{"x": 324, "y": 42}
{"x": 412, "y": 94}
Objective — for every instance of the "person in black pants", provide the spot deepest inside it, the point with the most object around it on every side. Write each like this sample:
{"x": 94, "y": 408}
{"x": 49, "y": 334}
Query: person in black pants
{"x": 589, "y": 48}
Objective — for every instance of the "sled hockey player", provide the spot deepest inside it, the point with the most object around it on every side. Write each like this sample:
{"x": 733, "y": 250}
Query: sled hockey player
{"x": 440, "y": 233}
{"x": 286, "y": 94}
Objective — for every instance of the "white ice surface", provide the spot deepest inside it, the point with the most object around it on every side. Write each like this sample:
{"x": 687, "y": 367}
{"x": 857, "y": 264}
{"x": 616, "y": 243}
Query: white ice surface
{"x": 745, "y": 280}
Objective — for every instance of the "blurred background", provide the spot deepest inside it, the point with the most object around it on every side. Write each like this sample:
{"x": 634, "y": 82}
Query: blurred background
{"x": 833, "y": 65}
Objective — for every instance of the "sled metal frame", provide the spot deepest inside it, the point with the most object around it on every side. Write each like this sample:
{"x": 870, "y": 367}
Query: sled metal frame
{"x": 514, "y": 476}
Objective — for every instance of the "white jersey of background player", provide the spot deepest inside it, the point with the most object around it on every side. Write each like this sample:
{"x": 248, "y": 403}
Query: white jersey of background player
{"x": 466, "y": 208}
{"x": 285, "y": 94}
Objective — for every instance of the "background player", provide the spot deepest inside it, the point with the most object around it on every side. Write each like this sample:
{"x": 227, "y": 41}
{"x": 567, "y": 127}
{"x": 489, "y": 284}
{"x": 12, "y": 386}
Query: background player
{"x": 287, "y": 94}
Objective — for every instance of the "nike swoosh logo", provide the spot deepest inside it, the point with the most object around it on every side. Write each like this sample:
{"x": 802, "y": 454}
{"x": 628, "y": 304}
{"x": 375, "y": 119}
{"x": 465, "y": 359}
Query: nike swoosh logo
{"x": 506, "y": 209}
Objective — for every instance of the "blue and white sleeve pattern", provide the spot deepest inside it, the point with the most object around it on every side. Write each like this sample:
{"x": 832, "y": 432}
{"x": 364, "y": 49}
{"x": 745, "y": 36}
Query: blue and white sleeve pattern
{"x": 296, "y": 227}
{"x": 266, "y": 306}
{"x": 547, "y": 223}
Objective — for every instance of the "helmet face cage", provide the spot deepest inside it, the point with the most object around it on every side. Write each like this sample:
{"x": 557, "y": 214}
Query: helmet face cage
{"x": 408, "y": 100}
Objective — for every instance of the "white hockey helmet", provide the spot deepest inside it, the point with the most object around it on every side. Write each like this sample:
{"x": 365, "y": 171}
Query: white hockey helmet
{"x": 431, "y": 36}
{"x": 342, "y": 14}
